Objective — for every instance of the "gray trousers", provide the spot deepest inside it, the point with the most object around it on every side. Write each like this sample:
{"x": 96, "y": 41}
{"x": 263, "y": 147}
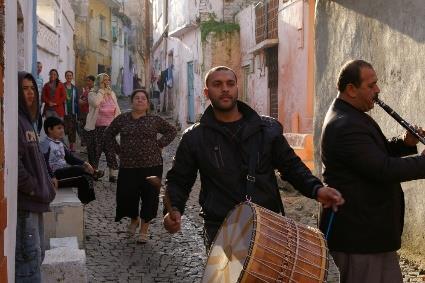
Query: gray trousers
{"x": 368, "y": 268}
{"x": 29, "y": 251}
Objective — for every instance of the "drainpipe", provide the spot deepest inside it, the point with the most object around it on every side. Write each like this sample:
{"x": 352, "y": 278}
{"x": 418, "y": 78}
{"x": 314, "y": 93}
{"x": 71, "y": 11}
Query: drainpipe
{"x": 34, "y": 37}
{"x": 166, "y": 94}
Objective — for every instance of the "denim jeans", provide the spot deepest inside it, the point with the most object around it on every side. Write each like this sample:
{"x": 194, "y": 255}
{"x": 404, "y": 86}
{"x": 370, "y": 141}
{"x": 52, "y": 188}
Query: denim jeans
{"x": 29, "y": 252}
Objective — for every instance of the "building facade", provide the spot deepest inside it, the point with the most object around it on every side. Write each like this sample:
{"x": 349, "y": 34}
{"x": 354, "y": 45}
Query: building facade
{"x": 93, "y": 37}
{"x": 190, "y": 37}
{"x": 55, "y": 37}
{"x": 277, "y": 67}
{"x": 121, "y": 72}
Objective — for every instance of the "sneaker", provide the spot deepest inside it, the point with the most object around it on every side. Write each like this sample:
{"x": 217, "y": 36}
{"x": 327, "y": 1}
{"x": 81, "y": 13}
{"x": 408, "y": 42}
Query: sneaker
{"x": 112, "y": 179}
{"x": 98, "y": 174}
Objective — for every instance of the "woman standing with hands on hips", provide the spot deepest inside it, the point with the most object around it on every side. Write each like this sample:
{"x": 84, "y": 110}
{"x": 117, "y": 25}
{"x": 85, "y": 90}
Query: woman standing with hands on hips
{"x": 103, "y": 108}
{"x": 140, "y": 157}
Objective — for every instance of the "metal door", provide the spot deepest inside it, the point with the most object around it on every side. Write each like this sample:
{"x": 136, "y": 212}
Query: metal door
{"x": 190, "y": 94}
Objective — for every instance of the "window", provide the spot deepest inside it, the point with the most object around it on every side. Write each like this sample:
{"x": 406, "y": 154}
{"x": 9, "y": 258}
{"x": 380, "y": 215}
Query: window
{"x": 102, "y": 27}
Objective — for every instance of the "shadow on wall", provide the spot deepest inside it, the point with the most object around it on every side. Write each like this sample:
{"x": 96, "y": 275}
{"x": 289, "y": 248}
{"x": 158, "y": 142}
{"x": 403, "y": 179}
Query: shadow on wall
{"x": 402, "y": 16}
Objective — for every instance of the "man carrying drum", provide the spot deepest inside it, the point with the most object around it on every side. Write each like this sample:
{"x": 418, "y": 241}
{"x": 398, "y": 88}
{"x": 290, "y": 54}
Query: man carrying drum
{"x": 236, "y": 152}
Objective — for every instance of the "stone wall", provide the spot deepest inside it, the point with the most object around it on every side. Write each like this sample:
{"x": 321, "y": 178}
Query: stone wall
{"x": 388, "y": 34}
{"x": 222, "y": 48}
{"x": 232, "y": 7}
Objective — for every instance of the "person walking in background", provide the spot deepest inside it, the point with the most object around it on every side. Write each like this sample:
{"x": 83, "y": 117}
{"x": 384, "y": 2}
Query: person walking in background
{"x": 103, "y": 108}
{"x": 38, "y": 78}
{"x": 84, "y": 108}
{"x": 71, "y": 110}
{"x": 54, "y": 96}
{"x": 40, "y": 83}
{"x": 140, "y": 157}
{"x": 35, "y": 187}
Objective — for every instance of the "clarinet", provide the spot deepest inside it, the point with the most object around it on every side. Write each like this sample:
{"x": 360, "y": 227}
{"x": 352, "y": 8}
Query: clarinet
{"x": 400, "y": 120}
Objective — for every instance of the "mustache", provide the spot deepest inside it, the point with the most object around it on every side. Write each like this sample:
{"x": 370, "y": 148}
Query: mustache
{"x": 376, "y": 96}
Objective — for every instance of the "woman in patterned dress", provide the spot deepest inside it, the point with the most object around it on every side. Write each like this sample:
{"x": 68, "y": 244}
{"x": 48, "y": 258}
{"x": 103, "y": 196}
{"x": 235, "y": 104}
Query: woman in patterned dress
{"x": 140, "y": 157}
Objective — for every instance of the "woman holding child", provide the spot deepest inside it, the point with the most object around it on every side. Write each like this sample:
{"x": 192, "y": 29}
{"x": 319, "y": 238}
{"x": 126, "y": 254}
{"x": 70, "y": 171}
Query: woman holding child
{"x": 140, "y": 157}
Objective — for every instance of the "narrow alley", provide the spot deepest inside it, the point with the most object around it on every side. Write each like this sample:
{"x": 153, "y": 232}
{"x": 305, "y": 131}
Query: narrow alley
{"x": 114, "y": 257}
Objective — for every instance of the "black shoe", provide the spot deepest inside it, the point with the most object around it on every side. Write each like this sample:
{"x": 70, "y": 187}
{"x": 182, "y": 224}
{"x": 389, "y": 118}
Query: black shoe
{"x": 112, "y": 179}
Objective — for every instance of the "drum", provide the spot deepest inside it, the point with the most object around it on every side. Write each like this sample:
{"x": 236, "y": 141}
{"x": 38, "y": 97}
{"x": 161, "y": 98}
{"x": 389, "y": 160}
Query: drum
{"x": 255, "y": 244}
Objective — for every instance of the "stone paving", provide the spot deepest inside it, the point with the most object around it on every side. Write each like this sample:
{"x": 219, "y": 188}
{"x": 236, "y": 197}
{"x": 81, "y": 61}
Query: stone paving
{"x": 114, "y": 257}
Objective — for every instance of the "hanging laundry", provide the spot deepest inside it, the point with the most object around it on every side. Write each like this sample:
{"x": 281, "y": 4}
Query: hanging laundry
{"x": 162, "y": 80}
{"x": 170, "y": 76}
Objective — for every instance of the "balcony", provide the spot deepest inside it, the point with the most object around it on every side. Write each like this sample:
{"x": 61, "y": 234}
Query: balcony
{"x": 47, "y": 37}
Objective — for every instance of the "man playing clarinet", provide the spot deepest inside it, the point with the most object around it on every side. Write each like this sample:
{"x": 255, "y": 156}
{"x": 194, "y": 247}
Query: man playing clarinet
{"x": 365, "y": 233}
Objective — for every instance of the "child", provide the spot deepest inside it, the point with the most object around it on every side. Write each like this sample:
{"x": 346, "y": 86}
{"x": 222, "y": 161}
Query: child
{"x": 69, "y": 170}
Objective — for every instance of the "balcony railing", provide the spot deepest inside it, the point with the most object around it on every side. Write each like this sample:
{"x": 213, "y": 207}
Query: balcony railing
{"x": 47, "y": 38}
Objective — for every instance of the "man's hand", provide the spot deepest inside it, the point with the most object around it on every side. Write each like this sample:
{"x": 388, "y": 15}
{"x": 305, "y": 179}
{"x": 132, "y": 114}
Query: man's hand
{"x": 409, "y": 139}
{"x": 55, "y": 183}
{"x": 330, "y": 197}
{"x": 172, "y": 221}
{"x": 51, "y": 104}
{"x": 88, "y": 168}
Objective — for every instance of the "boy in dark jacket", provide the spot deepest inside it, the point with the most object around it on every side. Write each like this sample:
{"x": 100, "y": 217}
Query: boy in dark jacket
{"x": 70, "y": 170}
{"x": 35, "y": 187}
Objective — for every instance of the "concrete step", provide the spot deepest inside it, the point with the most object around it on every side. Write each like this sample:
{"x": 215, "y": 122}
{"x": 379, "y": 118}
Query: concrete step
{"x": 66, "y": 218}
{"x": 303, "y": 147}
{"x": 65, "y": 264}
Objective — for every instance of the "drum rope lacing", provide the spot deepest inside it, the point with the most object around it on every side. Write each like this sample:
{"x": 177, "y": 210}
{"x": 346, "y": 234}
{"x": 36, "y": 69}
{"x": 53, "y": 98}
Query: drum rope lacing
{"x": 278, "y": 242}
{"x": 286, "y": 229}
{"x": 295, "y": 256}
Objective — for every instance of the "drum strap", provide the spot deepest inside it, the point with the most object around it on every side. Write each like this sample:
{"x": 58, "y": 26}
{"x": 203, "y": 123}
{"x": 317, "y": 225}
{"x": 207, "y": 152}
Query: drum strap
{"x": 253, "y": 160}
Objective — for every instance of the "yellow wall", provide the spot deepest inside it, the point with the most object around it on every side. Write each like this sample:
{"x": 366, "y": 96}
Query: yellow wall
{"x": 97, "y": 50}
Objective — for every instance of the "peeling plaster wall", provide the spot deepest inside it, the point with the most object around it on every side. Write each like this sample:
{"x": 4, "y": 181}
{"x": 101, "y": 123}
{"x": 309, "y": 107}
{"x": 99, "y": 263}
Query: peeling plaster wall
{"x": 222, "y": 49}
{"x": 295, "y": 103}
{"x": 256, "y": 93}
{"x": 187, "y": 49}
{"x": 389, "y": 34}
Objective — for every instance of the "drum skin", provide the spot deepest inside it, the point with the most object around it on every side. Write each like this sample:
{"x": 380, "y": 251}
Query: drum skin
{"x": 255, "y": 244}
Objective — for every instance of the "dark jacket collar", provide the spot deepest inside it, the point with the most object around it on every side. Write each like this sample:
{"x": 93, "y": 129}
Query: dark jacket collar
{"x": 251, "y": 118}
{"x": 343, "y": 106}
{"x": 340, "y": 104}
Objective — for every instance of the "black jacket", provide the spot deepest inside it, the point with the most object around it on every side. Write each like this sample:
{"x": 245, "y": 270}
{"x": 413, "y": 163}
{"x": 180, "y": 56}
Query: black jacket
{"x": 367, "y": 169}
{"x": 222, "y": 164}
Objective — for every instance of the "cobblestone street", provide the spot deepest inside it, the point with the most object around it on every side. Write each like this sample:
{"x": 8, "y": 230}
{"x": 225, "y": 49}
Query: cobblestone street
{"x": 114, "y": 257}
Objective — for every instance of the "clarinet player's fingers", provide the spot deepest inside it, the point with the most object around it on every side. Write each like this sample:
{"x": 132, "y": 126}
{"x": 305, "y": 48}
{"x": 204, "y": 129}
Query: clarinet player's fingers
{"x": 421, "y": 131}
